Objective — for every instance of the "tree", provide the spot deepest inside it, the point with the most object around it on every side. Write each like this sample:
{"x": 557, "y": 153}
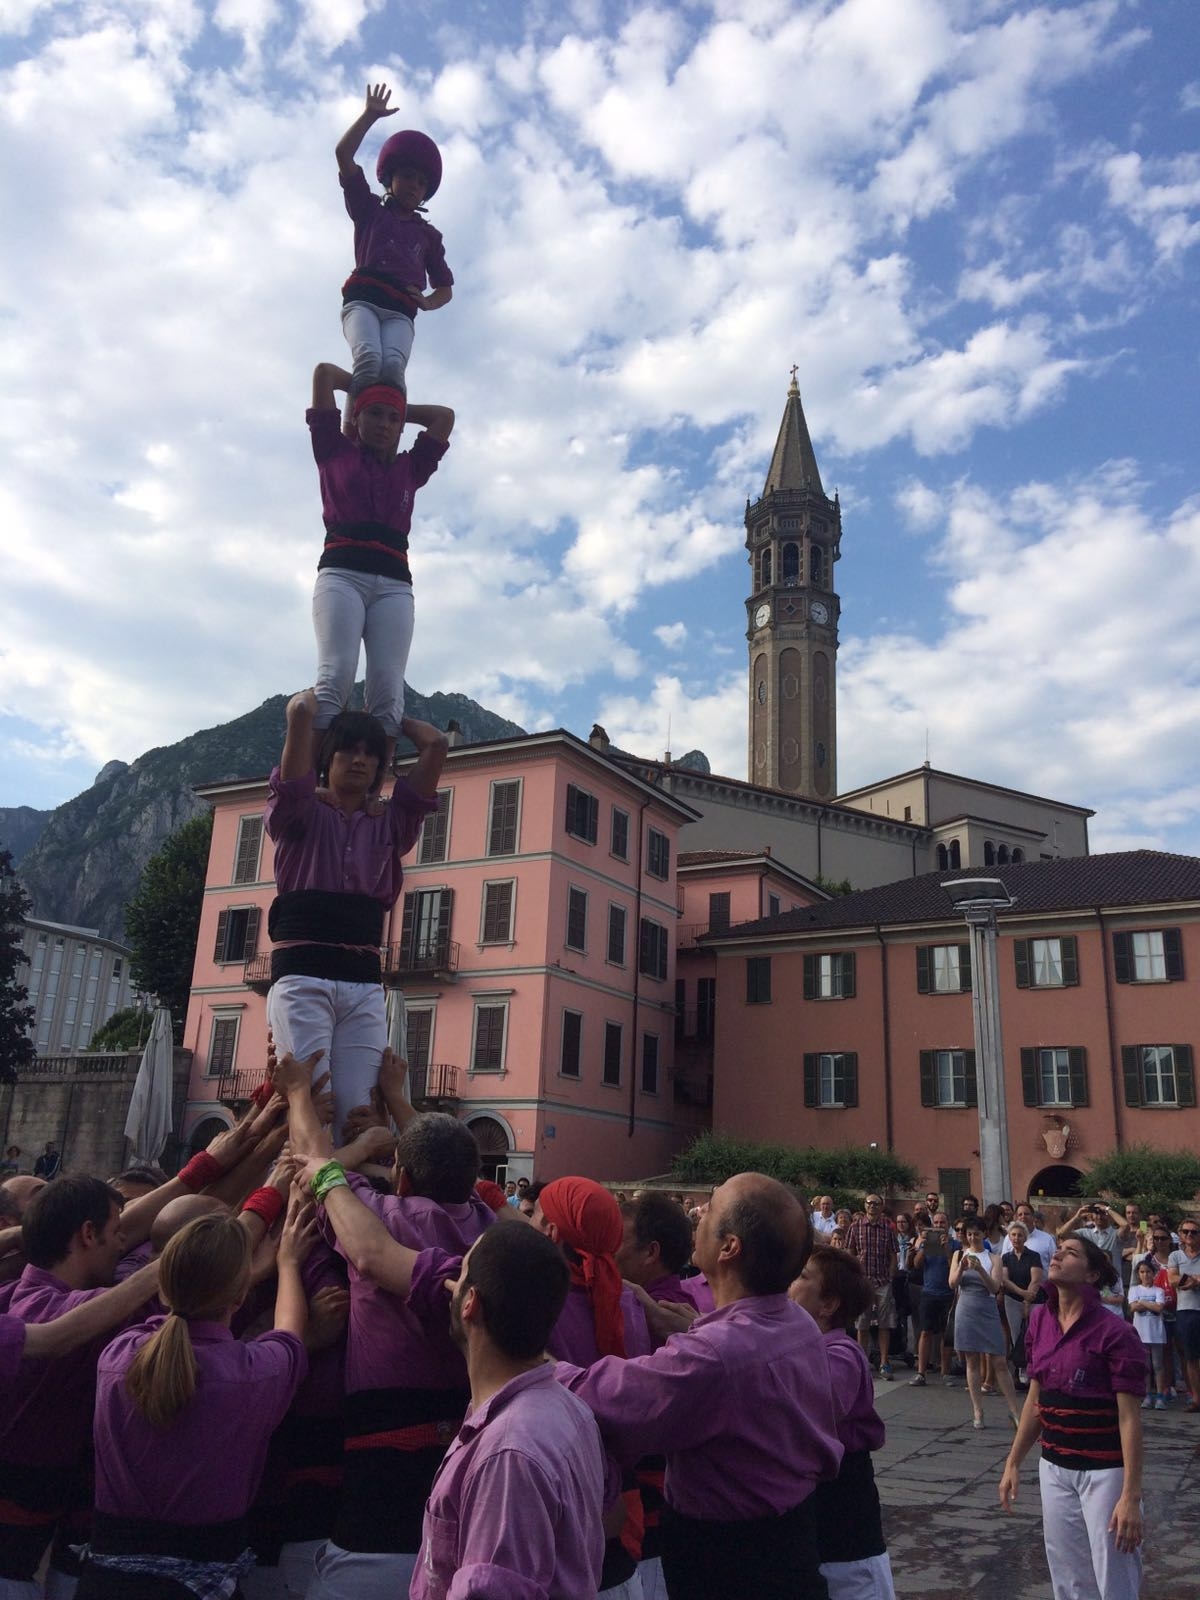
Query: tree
{"x": 125, "y": 1030}
{"x": 163, "y": 918}
{"x": 846, "y": 1173}
{"x": 1159, "y": 1180}
{"x": 836, "y": 887}
{"x": 16, "y": 1014}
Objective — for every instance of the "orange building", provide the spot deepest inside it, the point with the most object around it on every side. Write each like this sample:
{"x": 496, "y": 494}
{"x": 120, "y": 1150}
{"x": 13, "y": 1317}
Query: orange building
{"x": 850, "y": 1021}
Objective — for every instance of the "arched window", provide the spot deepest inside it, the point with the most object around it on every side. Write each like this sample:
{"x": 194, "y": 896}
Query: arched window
{"x": 1002, "y": 855}
{"x": 764, "y": 567}
{"x": 955, "y": 854}
{"x": 989, "y": 853}
{"x": 1018, "y": 855}
{"x": 791, "y": 563}
{"x": 816, "y": 566}
{"x": 943, "y": 858}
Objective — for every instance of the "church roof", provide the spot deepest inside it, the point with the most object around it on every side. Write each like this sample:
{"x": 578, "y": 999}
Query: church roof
{"x": 1122, "y": 878}
{"x": 793, "y": 464}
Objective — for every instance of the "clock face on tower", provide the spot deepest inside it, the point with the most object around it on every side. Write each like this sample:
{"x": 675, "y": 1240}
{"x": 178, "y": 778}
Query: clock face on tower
{"x": 762, "y": 616}
{"x": 819, "y": 612}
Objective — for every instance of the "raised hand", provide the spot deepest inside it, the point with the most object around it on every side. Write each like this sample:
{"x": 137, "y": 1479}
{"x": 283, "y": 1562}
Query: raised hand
{"x": 292, "y": 1077}
{"x": 328, "y": 1313}
{"x": 377, "y": 102}
{"x": 322, "y": 1099}
{"x": 299, "y": 1228}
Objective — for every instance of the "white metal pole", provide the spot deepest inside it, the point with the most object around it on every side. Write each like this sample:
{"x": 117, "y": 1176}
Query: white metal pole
{"x": 994, "y": 1167}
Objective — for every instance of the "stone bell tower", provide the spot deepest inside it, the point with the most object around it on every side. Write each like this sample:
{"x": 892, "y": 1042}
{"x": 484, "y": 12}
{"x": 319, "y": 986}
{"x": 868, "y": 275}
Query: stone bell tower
{"x": 793, "y": 535}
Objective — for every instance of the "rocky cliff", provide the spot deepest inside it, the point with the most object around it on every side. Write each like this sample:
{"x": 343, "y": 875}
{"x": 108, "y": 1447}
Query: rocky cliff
{"x": 90, "y": 852}
{"x": 20, "y": 829}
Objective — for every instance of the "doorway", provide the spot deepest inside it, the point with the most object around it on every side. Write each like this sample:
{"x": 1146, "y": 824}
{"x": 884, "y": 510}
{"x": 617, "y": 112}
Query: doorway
{"x": 492, "y": 1139}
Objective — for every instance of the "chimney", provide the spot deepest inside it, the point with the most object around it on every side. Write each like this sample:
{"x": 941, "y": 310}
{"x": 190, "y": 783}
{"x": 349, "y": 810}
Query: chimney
{"x": 598, "y": 739}
{"x": 453, "y": 734}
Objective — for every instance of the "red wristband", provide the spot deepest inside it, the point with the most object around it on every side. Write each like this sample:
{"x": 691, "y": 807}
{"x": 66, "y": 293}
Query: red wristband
{"x": 265, "y": 1203}
{"x": 200, "y": 1171}
{"x": 263, "y": 1093}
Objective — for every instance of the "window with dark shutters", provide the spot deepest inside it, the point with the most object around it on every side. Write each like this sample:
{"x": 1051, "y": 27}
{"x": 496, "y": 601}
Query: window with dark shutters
{"x": 488, "y": 1052}
{"x": 583, "y": 814}
{"x": 658, "y": 854}
{"x": 222, "y": 1046}
{"x": 435, "y": 832}
{"x": 237, "y": 934}
{"x": 718, "y": 912}
{"x": 249, "y": 848}
{"x": 649, "y": 1063}
{"x": 497, "y": 912}
{"x": 612, "y": 1055}
{"x": 1148, "y": 956}
{"x": 502, "y": 825}
{"x": 652, "y": 949}
{"x": 829, "y": 977}
{"x": 758, "y": 980}
{"x": 572, "y": 1044}
{"x": 617, "y": 918}
{"x": 619, "y": 846}
{"x": 576, "y": 919}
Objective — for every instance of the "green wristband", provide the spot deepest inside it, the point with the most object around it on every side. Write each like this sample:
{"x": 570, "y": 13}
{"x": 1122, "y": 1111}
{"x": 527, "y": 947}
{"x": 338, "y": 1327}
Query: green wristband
{"x": 331, "y": 1176}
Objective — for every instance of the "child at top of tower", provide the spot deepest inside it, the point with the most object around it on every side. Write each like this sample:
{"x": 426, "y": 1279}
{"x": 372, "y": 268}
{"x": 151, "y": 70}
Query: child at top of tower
{"x": 396, "y": 251}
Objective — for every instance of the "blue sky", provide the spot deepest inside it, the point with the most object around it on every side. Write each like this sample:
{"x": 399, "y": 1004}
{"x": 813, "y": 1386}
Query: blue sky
{"x": 974, "y": 226}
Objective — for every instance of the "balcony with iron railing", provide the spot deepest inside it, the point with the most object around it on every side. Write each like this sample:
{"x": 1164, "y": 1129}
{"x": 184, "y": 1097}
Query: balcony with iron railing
{"x": 689, "y": 934}
{"x": 235, "y": 1088}
{"x": 420, "y": 959}
{"x": 256, "y": 974}
{"x": 432, "y": 1086}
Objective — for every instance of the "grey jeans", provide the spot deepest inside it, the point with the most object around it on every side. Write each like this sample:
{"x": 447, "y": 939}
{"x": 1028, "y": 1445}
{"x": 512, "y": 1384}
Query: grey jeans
{"x": 353, "y": 608}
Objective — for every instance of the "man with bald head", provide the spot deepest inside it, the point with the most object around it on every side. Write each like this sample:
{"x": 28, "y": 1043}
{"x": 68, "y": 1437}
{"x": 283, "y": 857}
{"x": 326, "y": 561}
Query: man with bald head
{"x": 21, "y": 1190}
{"x": 740, "y": 1406}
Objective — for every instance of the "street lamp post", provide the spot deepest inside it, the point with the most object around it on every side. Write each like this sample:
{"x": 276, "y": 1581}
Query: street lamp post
{"x": 979, "y": 899}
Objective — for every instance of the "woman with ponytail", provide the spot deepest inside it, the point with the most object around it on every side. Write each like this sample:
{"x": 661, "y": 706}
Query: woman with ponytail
{"x": 184, "y": 1413}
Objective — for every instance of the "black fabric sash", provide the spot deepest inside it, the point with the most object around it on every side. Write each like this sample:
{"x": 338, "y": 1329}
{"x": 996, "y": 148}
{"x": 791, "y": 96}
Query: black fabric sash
{"x": 849, "y": 1521}
{"x": 332, "y": 920}
{"x": 32, "y": 1499}
{"x": 384, "y": 1489}
{"x": 771, "y": 1558}
{"x": 367, "y": 547}
{"x": 140, "y": 1536}
{"x": 1080, "y": 1433}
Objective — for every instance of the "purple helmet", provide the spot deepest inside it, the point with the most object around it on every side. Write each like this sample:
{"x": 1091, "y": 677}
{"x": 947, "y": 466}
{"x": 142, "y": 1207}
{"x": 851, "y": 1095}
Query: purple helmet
{"x": 413, "y": 149}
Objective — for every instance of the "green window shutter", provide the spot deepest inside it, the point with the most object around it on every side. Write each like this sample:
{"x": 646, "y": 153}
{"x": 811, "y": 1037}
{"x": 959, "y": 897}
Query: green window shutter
{"x": 924, "y": 978}
{"x": 1077, "y": 1060}
{"x": 848, "y": 975}
{"x": 1029, "y": 1077}
{"x": 1185, "y": 1075}
{"x": 1123, "y": 966}
{"x": 964, "y": 968}
{"x": 222, "y": 925}
{"x": 1132, "y": 1068}
{"x": 850, "y": 1078}
{"x": 1173, "y": 953}
{"x": 971, "y": 1082}
{"x": 810, "y": 977}
{"x": 810, "y": 1080}
{"x": 928, "y": 1080}
{"x": 1070, "y": 962}
{"x": 408, "y": 925}
{"x": 1021, "y": 955}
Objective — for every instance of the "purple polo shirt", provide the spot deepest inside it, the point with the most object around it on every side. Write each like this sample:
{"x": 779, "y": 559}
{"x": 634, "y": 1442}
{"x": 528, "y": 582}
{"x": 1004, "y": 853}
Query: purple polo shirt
{"x": 48, "y": 1420}
{"x": 696, "y": 1290}
{"x": 394, "y": 1344}
{"x": 400, "y": 243}
{"x": 12, "y": 1348}
{"x": 859, "y": 1425}
{"x": 515, "y": 1509}
{"x": 1098, "y": 1356}
{"x": 136, "y": 1259}
{"x": 740, "y": 1405}
{"x": 206, "y": 1465}
{"x": 367, "y": 504}
{"x": 320, "y": 847}
{"x": 573, "y": 1337}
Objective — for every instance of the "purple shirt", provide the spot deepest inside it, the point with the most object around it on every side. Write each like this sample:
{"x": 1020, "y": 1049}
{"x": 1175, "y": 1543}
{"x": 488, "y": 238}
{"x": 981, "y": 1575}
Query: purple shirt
{"x": 399, "y": 1344}
{"x": 515, "y": 1509}
{"x": 741, "y": 1406}
{"x": 1097, "y": 1357}
{"x": 573, "y": 1337}
{"x": 696, "y": 1290}
{"x": 357, "y": 488}
{"x": 320, "y": 847}
{"x": 859, "y": 1425}
{"x": 48, "y": 1420}
{"x": 400, "y": 243}
{"x": 206, "y": 1465}
{"x": 12, "y": 1348}
{"x": 137, "y": 1258}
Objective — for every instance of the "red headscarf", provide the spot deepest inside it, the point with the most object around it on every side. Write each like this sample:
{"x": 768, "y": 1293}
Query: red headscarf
{"x": 491, "y": 1194}
{"x": 589, "y": 1220}
{"x": 380, "y": 394}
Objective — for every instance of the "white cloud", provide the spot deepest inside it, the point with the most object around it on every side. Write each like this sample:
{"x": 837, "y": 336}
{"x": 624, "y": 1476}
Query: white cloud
{"x": 671, "y": 635}
{"x": 1163, "y": 197}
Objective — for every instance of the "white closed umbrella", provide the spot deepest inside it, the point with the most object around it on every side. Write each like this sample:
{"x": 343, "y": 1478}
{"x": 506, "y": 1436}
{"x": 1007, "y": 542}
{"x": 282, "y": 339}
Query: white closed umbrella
{"x": 148, "y": 1124}
{"x": 395, "y": 1021}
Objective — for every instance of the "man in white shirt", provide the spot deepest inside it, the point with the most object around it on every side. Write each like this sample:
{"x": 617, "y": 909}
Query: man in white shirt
{"x": 823, "y": 1219}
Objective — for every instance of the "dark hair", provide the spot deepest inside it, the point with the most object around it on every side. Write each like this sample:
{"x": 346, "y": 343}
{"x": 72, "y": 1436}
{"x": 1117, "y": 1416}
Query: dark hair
{"x": 56, "y": 1214}
{"x": 658, "y": 1220}
{"x": 536, "y": 1185}
{"x": 1099, "y": 1261}
{"x": 141, "y": 1172}
{"x": 345, "y": 731}
{"x": 775, "y": 1244}
{"x": 521, "y": 1277}
{"x": 842, "y": 1280}
{"x": 440, "y": 1157}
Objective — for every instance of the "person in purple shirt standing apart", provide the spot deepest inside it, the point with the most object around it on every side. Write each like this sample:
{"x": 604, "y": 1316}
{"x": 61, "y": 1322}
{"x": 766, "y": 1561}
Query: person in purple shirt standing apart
{"x": 1087, "y": 1379}
{"x": 740, "y": 1405}
{"x": 184, "y": 1414}
{"x": 338, "y": 873}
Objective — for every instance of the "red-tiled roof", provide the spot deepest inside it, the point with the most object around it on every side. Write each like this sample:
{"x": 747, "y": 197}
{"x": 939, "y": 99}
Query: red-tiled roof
{"x": 1122, "y": 878}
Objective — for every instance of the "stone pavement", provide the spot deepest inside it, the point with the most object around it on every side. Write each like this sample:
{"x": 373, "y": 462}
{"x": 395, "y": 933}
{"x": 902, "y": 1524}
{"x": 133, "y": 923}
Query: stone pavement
{"x": 947, "y": 1534}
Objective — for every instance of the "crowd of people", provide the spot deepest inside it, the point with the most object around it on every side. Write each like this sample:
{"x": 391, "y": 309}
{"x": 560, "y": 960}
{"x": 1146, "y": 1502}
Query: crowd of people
{"x": 295, "y": 1370}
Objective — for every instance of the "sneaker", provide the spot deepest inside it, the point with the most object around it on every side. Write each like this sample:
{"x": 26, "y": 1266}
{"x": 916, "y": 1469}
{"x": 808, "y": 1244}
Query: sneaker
{"x": 1159, "y": 1403}
{"x": 885, "y": 1371}
{"x": 918, "y": 1382}
{"x": 1023, "y": 1377}
{"x": 1147, "y": 1403}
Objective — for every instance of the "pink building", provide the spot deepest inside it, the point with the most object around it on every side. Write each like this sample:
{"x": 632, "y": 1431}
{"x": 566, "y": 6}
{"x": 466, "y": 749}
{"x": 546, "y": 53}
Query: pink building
{"x": 850, "y": 1021}
{"x": 534, "y": 948}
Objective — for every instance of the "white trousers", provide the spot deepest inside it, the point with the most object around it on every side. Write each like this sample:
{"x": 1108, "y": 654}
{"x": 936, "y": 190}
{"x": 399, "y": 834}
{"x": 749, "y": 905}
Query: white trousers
{"x": 868, "y": 1579}
{"x": 631, "y": 1589}
{"x": 380, "y": 343}
{"x": 1084, "y": 1561}
{"x": 346, "y": 1020}
{"x": 358, "y": 1575}
{"x": 290, "y": 1579}
{"x": 14, "y": 1589}
{"x": 361, "y": 608}
{"x": 654, "y": 1584}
